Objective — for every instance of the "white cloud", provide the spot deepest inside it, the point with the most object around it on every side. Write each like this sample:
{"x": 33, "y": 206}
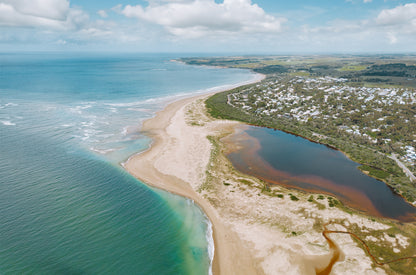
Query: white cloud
{"x": 196, "y": 18}
{"x": 44, "y": 14}
{"x": 395, "y": 26}
{"x": 102, "y": 13}
{"x": 61, "y": 42}
{"x": 118, "y": 8}
{"x": 232, "y": 25}
{"x": 392, "y": 38}
{"x": 399, "y": 15}
{"x": 77, "y": 19}
{"x": 365, "y": 1}
{"x": 49, "y": 9}
{"x": 51, "y": 22}
{"x": 398, "y": 22}
{"x": 9, "y": 16}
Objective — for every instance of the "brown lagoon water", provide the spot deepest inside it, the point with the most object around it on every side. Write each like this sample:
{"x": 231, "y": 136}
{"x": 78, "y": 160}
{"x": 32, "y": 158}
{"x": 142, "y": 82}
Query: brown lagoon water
{"x": 295, "y": 162}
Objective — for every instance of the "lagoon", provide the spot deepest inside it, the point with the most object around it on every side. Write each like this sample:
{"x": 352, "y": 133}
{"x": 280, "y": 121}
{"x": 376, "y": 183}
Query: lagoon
{"x": 294, "y": 162}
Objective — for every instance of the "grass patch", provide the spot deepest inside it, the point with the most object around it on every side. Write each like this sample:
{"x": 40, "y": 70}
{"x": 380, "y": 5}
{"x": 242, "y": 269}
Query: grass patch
{"x": 293, "y": 198}
{"x": 383, "y": 250}
{"x": 300, "y": 73}
{"x": 353, "y": 68}
{"x": 246, "y": 182}
{"x": 332, "y": 202}
{"x": 374, "y": 172}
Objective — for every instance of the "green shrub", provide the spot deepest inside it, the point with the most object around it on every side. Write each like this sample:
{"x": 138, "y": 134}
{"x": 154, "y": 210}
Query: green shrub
{"x": 293, "y": 198}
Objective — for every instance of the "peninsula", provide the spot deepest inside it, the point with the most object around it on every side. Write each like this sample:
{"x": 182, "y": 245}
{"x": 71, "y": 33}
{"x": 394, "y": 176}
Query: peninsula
{"x": 261, "y": 228}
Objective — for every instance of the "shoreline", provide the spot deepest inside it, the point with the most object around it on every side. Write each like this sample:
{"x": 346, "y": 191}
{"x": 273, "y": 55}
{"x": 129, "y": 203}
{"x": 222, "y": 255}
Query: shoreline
{"x": 254, "y": 232}
{"x": 142, "y": 165}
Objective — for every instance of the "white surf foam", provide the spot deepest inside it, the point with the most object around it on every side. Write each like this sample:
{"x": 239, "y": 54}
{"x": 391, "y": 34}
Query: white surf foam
{"x": 11, "y": 105}
{"x": 211, "y": 246}
{"x": 7, "y": 123}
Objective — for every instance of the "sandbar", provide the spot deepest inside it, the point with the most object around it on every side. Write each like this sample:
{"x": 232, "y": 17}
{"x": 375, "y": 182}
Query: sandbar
{"x": 165, "y": 153}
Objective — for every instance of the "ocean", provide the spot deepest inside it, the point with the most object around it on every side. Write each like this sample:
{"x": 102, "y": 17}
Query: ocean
{"x": 67, "y": 122}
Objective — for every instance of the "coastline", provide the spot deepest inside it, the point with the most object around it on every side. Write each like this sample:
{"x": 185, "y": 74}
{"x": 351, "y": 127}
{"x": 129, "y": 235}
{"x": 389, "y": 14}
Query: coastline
{"x": 255, "y": 231}
{"x": 230, "y": 255}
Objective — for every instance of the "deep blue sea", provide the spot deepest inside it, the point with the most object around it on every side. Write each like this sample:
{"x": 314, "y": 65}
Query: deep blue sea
{"x": 67, "y": 121}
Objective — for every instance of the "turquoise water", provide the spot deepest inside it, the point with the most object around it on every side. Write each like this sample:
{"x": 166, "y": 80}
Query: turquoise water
{"x": 67, "y": 206}
{"x": 299, "y": 163}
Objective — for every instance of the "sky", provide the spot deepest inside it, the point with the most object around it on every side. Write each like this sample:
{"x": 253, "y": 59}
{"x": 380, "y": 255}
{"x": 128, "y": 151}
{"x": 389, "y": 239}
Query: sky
{"x": 213, "y": 26}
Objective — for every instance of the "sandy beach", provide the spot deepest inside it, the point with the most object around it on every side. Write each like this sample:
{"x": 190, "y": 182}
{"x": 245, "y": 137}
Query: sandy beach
{"x": 176, "y": 162}
{"x": 168, "y": 166}
{"x": 255, "y": 232}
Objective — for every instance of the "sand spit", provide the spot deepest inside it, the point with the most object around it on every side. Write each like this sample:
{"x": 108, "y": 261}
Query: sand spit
{"x": 178, "y": 166}
{"x": 257, "y": 230}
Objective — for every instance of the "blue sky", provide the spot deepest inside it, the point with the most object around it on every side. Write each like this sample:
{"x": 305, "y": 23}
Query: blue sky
{"x": 234, "y": 26}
